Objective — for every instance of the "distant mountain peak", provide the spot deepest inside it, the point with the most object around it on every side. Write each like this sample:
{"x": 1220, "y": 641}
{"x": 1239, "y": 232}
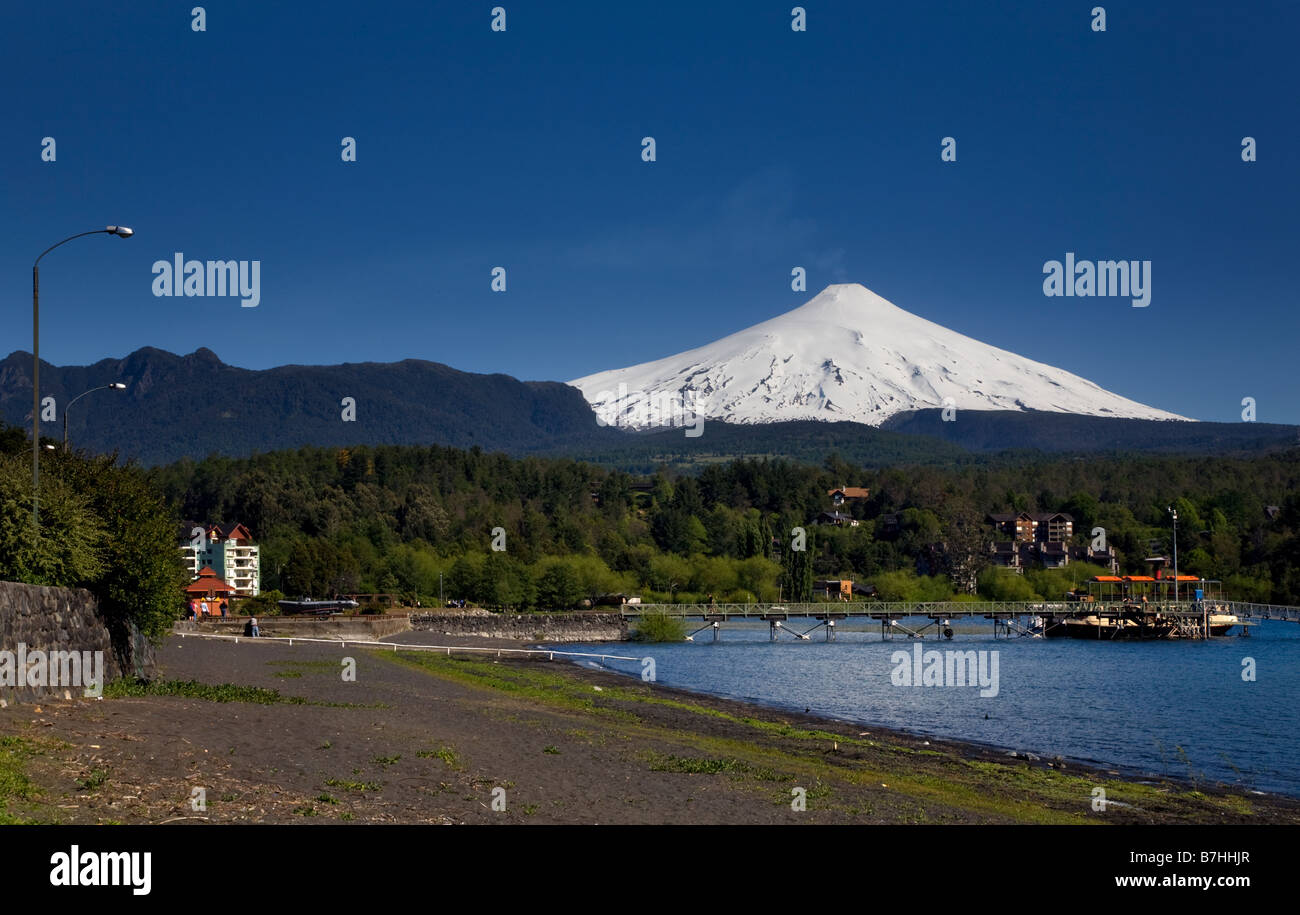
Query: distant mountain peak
{"x": 847, "y": 354}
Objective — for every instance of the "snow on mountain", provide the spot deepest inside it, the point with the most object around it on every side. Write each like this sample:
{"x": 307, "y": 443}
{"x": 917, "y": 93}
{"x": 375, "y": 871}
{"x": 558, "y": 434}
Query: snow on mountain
{"x": 846, "y": 355}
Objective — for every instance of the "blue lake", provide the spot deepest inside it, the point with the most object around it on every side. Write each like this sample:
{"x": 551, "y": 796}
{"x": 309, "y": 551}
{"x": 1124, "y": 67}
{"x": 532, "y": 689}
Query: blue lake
{"x": 1177, "y": 708}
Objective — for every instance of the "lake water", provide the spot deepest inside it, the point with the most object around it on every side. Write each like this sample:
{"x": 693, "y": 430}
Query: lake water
{"x": 1178, "y": 708}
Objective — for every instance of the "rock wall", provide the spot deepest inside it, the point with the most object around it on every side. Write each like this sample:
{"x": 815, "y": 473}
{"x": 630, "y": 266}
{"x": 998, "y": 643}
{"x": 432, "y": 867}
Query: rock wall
{"x": 297, "y": 627}
{"x": 40, "y": 619}
{"x": 533, "y": 627}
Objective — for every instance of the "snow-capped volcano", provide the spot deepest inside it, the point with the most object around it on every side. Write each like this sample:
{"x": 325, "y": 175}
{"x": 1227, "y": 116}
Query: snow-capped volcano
{"x": 846, "y": 355}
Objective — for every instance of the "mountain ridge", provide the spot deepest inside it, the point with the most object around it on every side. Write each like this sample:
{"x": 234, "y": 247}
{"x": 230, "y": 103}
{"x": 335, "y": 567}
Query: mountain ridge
{"x": 190, "y": 406}
{"x": 193, "y": 405}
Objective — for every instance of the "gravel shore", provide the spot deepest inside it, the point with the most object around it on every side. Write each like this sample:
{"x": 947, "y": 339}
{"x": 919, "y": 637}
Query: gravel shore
{"x": 267, "y": 732}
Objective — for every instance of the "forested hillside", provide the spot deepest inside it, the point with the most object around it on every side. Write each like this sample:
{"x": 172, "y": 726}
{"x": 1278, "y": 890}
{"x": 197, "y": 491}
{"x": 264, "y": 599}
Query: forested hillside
{"x": 393, "y": 518}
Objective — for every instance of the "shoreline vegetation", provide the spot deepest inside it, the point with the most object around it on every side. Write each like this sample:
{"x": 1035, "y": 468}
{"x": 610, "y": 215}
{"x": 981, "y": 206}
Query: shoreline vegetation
{"x": 425, "y": 526}
{"x": 429, "y": 524}
{"x": 273, "y": 734}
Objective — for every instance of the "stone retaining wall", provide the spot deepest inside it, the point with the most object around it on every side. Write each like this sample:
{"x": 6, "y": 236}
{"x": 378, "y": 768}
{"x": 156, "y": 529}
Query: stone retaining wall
{"x": 535, "y": 627}
{"x": 40, "y": 619}
{"x": 333, "y": 627}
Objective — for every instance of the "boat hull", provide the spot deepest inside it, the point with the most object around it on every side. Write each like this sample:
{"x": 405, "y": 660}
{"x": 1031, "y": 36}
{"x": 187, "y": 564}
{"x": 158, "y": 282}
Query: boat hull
{"x": 1126, "y": 628}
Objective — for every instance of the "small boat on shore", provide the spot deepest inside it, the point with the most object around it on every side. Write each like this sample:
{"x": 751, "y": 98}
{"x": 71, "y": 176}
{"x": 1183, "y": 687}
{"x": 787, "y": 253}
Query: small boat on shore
{"x": 315, "y": 607}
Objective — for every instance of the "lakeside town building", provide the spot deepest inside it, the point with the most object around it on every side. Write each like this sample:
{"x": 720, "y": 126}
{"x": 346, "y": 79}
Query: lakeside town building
{"x": 1043, "y": 538}
{"x": 226, "y": 550}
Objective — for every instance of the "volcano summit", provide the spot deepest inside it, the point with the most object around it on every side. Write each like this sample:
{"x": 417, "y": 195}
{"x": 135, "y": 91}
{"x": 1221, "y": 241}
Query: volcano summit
{"x": 847, "y": 355}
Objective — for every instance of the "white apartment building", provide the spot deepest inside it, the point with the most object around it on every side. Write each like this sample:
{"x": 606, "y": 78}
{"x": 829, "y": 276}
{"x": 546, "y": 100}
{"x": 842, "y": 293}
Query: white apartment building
{"x": 229, "y": 550}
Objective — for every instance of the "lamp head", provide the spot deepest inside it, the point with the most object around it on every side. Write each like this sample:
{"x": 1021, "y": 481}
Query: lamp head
{"x": 120, "y": 231}
{"x": 117, "y": 385}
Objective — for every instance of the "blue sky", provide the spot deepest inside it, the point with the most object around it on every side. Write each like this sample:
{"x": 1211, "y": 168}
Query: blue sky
{"x": 522, "y": 149}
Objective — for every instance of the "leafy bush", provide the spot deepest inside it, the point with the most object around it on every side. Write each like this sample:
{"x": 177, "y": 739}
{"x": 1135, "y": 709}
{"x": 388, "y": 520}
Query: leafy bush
{"x": 102, "y": 527}
{"x": 265, "y": 604}
{"x": 660, "y": 627}
{"x": 1003, "y": 584}
{"x": 67, "y": 550}
{"x": 907, "y": 585}
{"x": 1053, "y": 583}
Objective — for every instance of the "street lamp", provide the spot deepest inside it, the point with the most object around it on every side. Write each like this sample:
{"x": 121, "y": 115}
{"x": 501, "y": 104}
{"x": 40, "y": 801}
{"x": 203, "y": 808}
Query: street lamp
{"x": 120, "y": 232}
{"x": 115, "y": 386}
{"x": 1173, "y": 512}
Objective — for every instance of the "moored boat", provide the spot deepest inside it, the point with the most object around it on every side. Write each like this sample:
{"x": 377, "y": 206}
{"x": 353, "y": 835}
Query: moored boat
{"x": 1143, "y": 607}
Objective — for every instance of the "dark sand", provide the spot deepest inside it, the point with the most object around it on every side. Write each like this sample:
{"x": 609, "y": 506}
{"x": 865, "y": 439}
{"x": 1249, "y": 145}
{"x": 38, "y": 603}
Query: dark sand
{"x": 421, "y": 738}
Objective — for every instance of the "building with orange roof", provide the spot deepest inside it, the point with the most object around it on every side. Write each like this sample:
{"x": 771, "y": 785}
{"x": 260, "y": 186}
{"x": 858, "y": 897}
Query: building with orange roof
{"x": 208, "y": 595}
{"x": 848, "y": 494}
{"x": 227, "y": 549}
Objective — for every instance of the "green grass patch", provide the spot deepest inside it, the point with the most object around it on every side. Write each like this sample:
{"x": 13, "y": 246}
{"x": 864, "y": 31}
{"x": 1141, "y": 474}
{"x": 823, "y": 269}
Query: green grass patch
{"x": 94, "y": 781}
{"x": 209, "y": 692}
{"x": 350, "y": 785}
{"x": 694, "y": 765}
{"x": 447, "y": 754}
{"x": 295, "y": 669}
{"x": 522, "y": 683}
{"x": 14, "y": 783}
{"x": 193, "y": 689}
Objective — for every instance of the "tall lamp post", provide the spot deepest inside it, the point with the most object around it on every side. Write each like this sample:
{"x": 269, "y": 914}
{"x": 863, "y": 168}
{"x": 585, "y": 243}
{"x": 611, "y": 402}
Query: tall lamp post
{"x": 115, "y": 386}
{"x": 121, "y": 232}
{"x": 1173, "y": 512}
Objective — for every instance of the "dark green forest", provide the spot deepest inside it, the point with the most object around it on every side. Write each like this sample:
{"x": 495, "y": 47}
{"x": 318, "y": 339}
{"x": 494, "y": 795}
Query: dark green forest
{"x": 409, "y": 520}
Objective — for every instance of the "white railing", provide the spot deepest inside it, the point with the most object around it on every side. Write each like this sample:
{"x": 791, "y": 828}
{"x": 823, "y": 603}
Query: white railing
{"x": 1247, "y": 610}
{"x": 397, "y": 646}
{"x": 942, "y": 609}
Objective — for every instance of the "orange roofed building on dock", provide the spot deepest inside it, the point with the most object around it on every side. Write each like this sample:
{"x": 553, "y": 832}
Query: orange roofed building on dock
{"x": 208, "y": 586}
